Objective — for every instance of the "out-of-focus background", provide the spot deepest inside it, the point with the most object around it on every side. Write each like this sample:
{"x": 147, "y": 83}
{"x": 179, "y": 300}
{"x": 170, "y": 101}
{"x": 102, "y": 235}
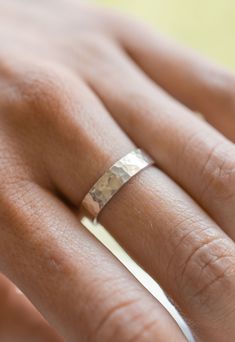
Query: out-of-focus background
{"x": 206, "y": 25}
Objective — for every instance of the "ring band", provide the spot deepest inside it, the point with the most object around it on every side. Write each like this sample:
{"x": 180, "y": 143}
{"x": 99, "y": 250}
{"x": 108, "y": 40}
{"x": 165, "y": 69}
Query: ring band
{"x": 113, "y": 179}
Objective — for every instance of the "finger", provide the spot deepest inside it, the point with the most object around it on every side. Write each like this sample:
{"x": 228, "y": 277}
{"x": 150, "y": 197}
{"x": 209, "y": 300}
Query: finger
{"x": 198, "y": 83}
{"x": 19, "y": 320}
{"x": 194, "y": 154}
{"x": 61, "y": 268}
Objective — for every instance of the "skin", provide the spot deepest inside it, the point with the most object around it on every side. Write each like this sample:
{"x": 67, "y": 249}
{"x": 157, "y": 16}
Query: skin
{"x": 80, "y": 87}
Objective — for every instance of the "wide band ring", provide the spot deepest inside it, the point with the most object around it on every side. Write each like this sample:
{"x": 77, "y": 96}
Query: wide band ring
{"x": 113, "y": 180}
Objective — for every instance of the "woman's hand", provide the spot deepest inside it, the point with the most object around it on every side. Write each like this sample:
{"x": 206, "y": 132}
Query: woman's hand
{"x": 79, "y": 87}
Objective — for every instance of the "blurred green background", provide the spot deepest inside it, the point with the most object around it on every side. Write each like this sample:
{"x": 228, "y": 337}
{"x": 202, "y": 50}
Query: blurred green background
{"x": 206, "y": 25}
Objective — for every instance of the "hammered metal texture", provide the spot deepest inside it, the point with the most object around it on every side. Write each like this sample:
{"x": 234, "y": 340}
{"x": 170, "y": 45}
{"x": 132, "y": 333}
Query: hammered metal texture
{"x": 113, "y": 179}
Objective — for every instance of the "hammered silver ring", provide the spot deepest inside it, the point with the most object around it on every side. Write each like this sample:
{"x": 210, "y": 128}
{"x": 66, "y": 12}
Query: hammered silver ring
{"x": 113, "y": 180}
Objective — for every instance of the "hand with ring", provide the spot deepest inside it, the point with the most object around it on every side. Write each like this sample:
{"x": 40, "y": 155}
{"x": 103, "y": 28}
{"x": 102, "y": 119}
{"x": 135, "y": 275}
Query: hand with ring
{"x": 97, "y": 113}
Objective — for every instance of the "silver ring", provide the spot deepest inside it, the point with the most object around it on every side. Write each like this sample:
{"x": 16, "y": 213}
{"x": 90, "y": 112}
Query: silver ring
{"x": 113, "y": 179}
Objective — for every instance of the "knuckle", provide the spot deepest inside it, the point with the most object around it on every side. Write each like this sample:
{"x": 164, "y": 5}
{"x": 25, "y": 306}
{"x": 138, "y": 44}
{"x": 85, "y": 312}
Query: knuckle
{"x": 217, "y": 278}
{"x": 218, "y": 172}
{"x": 43, "y": 96}
{"x": 113, "y": 320}
{"x": 206, "y": 267}
{"x": 41, "y": 88}
{"x": 108, "y": 321}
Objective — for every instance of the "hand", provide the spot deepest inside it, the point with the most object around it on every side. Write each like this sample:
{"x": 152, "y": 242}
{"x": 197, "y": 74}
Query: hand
{"x": 79, "y": 87}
